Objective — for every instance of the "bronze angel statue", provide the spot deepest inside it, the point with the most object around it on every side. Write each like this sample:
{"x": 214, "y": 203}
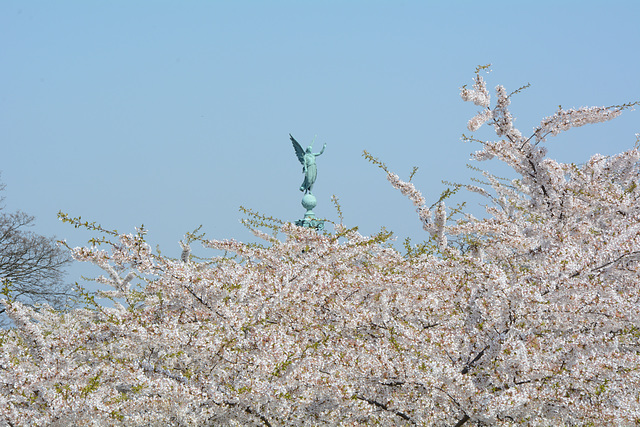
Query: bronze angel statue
{"x": 308, "y": 161}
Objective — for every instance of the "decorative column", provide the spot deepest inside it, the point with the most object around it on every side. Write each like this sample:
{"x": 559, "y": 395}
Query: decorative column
{"x": 309, "y": 202}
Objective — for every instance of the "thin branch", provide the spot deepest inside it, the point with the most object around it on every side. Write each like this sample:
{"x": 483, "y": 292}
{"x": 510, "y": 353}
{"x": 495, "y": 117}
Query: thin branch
{"x": 465, "y": 418}
{"x": 470, "y": 364}
{"x": 250, "y": 411}
{"x": 386, "y": 408}
{"x": 605, "y": 265}
{"x": 462, "y": 421}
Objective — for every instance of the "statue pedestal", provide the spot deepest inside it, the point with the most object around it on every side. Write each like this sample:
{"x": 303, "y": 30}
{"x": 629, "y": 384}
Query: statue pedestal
{"x": 309, "y": 202}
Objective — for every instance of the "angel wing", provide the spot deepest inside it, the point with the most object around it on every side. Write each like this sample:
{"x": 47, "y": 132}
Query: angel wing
{"x": 298, "y": 148}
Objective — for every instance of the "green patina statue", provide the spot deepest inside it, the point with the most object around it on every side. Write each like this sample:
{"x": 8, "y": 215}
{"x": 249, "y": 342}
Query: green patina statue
{"x": 308, "y": 160}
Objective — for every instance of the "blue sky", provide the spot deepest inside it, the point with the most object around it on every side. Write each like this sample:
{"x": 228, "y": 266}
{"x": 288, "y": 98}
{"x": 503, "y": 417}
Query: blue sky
{"x": 173, "y": 114}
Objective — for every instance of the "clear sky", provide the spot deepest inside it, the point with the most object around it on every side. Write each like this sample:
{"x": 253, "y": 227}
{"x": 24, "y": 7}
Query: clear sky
{"x": 172, "y": 114}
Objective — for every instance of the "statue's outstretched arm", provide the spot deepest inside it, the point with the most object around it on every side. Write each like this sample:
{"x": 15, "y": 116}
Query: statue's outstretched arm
{"x": 321, "y": 151}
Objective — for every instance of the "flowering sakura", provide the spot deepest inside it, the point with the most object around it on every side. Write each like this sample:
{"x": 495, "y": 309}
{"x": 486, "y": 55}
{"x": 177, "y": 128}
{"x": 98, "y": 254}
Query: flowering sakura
{"x": 528, "y": 316}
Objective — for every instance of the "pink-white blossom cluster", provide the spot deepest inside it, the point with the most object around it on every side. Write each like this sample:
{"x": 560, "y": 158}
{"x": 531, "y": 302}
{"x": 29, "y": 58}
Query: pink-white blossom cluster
{"x": 410, "y": 191}
{"x": 479, "y": 119}
{"x": 407, "y": 189}
{"x": 478, "y": 93}
{"x": 563, "y": 120}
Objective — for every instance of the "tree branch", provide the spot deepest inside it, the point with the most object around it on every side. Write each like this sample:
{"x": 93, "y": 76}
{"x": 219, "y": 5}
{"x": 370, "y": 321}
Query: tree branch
{"x": 386, "y": 408}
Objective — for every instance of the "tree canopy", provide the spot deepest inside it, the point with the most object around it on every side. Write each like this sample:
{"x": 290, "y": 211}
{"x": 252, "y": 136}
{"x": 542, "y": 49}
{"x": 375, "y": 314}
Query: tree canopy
{"x": 31, "y": 266}
{"x": 528, "y": 315}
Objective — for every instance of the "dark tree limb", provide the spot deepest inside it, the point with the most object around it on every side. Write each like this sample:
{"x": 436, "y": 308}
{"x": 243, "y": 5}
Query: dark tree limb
{"x": 386, "y": 408}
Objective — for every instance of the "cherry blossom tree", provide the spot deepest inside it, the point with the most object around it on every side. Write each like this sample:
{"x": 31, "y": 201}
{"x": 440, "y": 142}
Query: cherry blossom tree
{"x": 528, "y": 315}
